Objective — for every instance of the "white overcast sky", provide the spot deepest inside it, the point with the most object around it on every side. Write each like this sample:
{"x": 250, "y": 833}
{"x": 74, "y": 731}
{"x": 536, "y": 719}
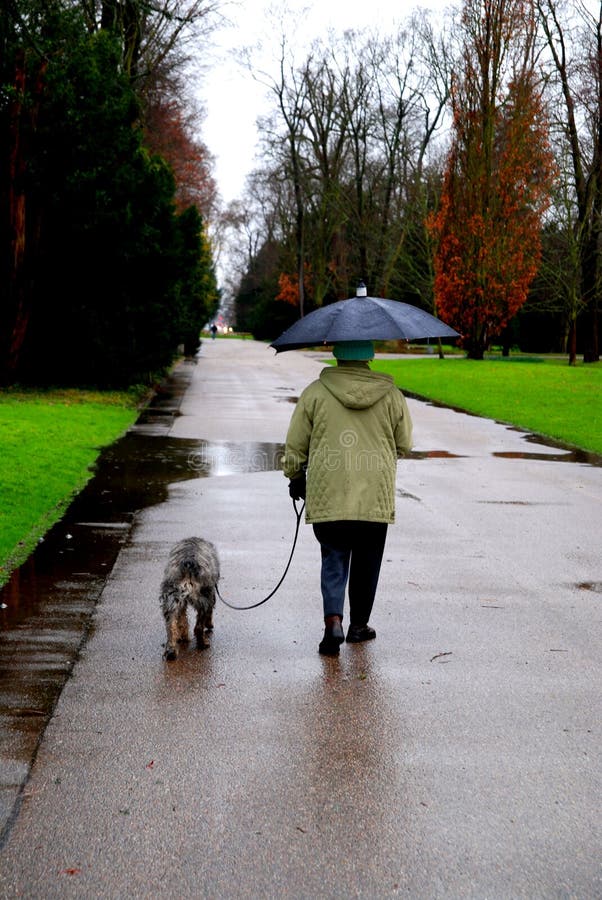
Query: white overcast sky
{"x": 231, "y": 97}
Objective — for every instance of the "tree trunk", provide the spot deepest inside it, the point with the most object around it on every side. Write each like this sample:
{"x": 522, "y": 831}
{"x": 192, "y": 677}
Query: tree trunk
{"x": 299, "y": 231}
{"x": 131, "y": 37}
{"x": 572, "y": 343}
{"x": 23, "y": 223}
{"x": 591, "y": 351}
{"x": 109, "y": 15}
{"x": 588, "y": 188}
{"x": 15, "y": 313}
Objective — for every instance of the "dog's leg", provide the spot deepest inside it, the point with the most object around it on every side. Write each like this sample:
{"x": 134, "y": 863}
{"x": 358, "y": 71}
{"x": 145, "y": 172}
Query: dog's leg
{"x": 209, "y": 620}
{"x": 182, "y": 625}
{"x": 199, "y": 629}
{"x": 171, "y": 647}
{"x": 211, "y": 601}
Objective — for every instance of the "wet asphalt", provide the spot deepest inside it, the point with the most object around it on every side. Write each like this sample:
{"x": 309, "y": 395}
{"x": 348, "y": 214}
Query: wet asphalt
{"x": 458, "y": 755}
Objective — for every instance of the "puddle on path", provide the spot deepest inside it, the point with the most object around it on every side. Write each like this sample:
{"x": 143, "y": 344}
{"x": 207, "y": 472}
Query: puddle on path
{"x": 594, "y": 586}
{"x": 48, "y": 602}
{"x": 165, "y": 404}
{"x": 290, "y": 398}
{"x": 46, "y": 607}
{"x": 229, "y": 458}
{"x": 521, "y": 503}
{"x": 568, "y": 455}
{"x": 433, "y": 454}
{"x": 566, "y": 452}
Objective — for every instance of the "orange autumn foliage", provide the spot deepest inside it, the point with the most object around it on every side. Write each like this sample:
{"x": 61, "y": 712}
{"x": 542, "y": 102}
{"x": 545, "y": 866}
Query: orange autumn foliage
{"x": 289, "y": 287}
{"x": 171, "y": 132}
{"x": 487, "y": 229}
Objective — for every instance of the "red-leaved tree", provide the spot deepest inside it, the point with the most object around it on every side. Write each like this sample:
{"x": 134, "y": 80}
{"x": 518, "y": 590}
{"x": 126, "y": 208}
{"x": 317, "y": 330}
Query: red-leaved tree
{"x": 172, "y": 131}
{"x": 498, "y": 175}
{"x": 289, "y": 286}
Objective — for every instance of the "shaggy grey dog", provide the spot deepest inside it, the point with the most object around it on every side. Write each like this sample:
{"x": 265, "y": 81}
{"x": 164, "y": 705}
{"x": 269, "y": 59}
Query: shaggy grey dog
{"x": 190, "y": 576}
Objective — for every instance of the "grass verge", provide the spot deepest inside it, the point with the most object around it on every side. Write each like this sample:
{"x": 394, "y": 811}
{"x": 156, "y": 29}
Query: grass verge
{"x": 49, "y": 441}
{"x": 548, "y": 397}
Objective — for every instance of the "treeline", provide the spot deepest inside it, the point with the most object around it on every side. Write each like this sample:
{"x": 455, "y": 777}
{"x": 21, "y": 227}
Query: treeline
{"x": 455, "y": 165}
{"x": 105, "y": 265}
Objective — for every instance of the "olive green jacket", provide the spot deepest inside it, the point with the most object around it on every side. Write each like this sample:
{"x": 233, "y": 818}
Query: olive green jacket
{"x": 348, "y": 429}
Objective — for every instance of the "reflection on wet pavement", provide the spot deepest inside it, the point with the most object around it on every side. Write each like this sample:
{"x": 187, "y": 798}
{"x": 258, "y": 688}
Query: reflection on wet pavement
{"x": 432, "y": 454}
{"x": 566, "y": 453}
{"x": 46, "y": 607}
{"x": 595, "y": 586}
{"x": 571, "y": 456}
{"x": 519, "y": 503}
{"x": 227, "y": 458}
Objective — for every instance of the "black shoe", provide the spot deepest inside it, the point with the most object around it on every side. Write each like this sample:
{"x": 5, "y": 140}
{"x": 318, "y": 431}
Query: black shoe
{"x": 333, "y": 637}
{"x": 358, "y": 633}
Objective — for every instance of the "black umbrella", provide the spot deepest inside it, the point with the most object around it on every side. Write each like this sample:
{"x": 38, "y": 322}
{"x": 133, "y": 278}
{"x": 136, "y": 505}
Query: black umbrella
{"x": 362, "y": 318}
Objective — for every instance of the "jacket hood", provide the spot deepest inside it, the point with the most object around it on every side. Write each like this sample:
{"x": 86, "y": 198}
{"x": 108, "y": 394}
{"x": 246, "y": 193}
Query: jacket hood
{"x": 355, "y": 385}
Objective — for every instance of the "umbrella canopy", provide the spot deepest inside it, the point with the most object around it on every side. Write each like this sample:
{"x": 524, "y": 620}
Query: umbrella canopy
{"x": 362, "y": 318}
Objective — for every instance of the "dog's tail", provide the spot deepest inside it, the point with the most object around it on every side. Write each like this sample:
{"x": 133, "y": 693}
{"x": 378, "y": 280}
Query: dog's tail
{"x": 190, "y": 572}
{"x": 190, "y": 576}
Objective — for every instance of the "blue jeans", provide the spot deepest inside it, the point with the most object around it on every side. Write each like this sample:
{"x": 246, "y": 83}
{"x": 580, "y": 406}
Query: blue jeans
{"x": 350, "y": 551}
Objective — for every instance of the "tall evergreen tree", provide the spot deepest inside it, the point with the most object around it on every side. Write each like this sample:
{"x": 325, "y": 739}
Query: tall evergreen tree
{"x": 103, "y": 278}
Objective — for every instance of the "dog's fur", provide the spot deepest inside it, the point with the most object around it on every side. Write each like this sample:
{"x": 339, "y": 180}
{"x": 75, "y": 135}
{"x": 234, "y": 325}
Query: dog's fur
{"x": 190, "y": 576}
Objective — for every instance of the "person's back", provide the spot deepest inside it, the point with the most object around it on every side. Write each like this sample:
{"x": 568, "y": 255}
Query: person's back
{"x": 346, "y": 433}
{"x": 349, "y": 427}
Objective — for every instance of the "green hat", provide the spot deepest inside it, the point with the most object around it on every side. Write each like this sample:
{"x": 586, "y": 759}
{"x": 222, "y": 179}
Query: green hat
{"x": 359, "y": 350}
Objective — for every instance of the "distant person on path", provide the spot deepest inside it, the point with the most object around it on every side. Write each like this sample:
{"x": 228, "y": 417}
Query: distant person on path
{"x": 347, "y": 431}
{"x": 213, "y": 331}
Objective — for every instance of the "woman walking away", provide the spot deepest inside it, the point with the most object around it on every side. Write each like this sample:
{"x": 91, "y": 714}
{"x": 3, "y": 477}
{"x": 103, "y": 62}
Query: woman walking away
{"x": 347, "y": 431}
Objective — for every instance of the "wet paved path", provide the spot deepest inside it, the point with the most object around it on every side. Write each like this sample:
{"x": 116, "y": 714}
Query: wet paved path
{"x": 458, "y": 755}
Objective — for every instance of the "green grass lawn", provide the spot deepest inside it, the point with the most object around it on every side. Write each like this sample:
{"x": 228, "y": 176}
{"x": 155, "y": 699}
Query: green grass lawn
{"x": 545, "y": 396}
{"x": 48, "y": 443}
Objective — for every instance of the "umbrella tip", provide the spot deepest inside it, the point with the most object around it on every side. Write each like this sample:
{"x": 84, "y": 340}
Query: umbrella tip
{"x": 361, "y": 290}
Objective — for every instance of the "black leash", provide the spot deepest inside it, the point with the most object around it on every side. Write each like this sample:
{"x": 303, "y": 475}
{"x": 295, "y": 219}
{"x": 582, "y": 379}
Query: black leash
{"x": 298, "y": 513}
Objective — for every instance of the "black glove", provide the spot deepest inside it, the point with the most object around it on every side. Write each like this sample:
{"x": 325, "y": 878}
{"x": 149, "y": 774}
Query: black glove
{"x": 296, "y": 487}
